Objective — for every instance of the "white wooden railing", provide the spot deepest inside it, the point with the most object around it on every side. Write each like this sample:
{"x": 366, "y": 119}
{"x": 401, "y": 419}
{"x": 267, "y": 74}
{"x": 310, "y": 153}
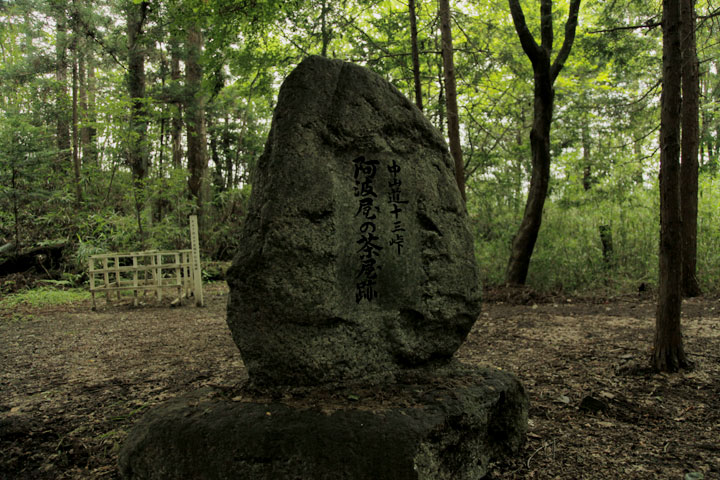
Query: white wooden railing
{"x": 154, "y": 271}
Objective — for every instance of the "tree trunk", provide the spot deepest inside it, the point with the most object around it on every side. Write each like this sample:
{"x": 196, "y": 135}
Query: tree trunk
{"x": 16, "y": 210}
{"x": 689, "y": 149}
{"x": 524, "y": 241}
{"x": 544, "y": 74}
{"x": 325, "y": 31}
{"x": 607, "y": 245}
{"x": 453, "y": 119}
{"x": 63, "y": 121}
{"x": 668, "y": 353}
{"x": 587, "y": 169}
{"x": 83, "y": 100}
{"x": 176, "y": 122}
{"x": 218, "y": 179}
{"x": 138, "y": 158}
{"x": 229, "y": 175}
{"x": 137, "y": 148}
{"x": 195, "y": 119}
{"x": 90, "y": 154}
{"x": 75, "y": 130}
{"x": 415, "y": 55}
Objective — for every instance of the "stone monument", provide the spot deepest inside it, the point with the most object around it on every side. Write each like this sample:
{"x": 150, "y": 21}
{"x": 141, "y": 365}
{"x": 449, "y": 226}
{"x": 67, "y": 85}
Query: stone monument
{"x": 355, "y": 284}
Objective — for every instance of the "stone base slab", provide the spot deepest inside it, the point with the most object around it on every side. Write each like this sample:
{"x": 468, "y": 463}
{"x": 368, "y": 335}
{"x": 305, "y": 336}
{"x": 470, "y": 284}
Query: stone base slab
{"x": 434, "y": 428}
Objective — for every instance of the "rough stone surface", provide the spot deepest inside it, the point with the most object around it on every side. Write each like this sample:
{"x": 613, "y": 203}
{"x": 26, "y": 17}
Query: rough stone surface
{"x": 446, "y": 428}
{"x": 356, "y": 261}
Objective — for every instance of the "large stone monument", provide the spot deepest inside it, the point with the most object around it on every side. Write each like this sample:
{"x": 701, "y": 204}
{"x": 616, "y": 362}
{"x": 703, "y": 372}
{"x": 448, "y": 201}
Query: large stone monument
{"x": 355, "y": 284}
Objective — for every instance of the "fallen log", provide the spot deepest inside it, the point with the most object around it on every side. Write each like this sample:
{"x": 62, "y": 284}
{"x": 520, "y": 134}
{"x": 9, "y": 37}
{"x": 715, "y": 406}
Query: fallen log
{"x": 42, "y": 259}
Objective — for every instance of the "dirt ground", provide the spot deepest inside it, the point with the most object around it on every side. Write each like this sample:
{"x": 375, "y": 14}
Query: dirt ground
{"x": 73, "y": 381}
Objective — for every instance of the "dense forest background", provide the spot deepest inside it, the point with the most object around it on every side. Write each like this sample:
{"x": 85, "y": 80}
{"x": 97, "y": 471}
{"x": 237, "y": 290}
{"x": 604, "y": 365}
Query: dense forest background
{"x": 120, "y": 118}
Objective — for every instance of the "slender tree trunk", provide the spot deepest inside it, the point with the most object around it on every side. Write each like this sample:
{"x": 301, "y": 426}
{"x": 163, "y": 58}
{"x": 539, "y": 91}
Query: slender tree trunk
{"x": 16, "y": 210}
{"x": 137, "y": 147}
{"x": 63, "y": 119}
{"x": 218, "y": 179}
{"x": 195, "y": 119}
{"x": 524, "y": 241}
{"x": 176, "y": 122}
{"x": 689, "y": 149}
{"x": 587, "y": 169}
{"x": 325, "y": 31}
{"x": 83, "y": 100}
{"x": 545, "y": 74}
{"x": 415, "y": 55}
{"x": 90, "y": 155}
{"x": 705, "y": 155}
{"x": 441, "y": 125}
{"x": 162, "y": 137}
{"x": 668, "y": 352}
{"x": 229, "y": 176}
{"x": 451, "y": 94}
{"x": 75, "y": 131}
{"x": 136, "y": 88}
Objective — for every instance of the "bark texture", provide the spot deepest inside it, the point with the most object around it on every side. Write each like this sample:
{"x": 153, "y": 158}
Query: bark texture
{"x": 415, "y": 54}
{"x": 668, "y": 353}
{"x": 90, "y": 151}
{"x": 176, "y": 122}
{"x": 195, "y": 118}
{"x": 453, "y": 119}
{"x": 545, "y": 74}
{"x": 137, "y": 155}
{"x": 63, "y": 121}
{"x": 689, "y": 149}
{"x": 75, "y": 133}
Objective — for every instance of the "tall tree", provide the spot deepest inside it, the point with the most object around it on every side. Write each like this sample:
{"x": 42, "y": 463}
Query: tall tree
{"x": 325, "y": 29}
{"x": 195, "y": 116}
{"x": 545, "y": 74}
{"x": 88, "y": 131}
{"x": 668, "y": 352}
{"x": 453, "y": 118}
{"x": 415, "y": 54}
{"x": 176, "y": 122}
{"x": 75, "y": 121}
{"x": 137, "y": 144}
{"x": 689, "y": 148}
{"x": 61, "y": 67}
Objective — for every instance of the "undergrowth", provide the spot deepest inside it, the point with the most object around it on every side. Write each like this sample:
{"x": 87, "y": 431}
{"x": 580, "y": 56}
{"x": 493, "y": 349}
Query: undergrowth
{"x": 569, "y": 256}
{"x": 44, "y": 296}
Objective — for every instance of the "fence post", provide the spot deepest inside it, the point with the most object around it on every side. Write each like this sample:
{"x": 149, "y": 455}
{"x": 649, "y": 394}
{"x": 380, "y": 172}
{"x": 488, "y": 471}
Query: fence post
{"x": 197, "y": 269}
{"x": 91, "y": 274}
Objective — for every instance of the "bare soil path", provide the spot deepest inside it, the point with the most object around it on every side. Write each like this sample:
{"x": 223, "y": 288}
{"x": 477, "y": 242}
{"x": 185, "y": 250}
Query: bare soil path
{"x": 73, "y": 381}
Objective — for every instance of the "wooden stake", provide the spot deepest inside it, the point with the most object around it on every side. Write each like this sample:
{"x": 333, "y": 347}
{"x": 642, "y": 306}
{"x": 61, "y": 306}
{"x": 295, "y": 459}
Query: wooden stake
{"x": 197, "y": 269}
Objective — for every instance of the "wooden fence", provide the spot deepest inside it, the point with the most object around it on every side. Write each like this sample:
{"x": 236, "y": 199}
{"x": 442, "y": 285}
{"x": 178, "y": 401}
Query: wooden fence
{"x": 154, "y": 271}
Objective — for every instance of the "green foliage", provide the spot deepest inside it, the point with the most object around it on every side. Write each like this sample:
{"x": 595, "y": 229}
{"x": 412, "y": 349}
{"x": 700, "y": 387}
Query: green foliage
{"x": 569, "y": 253}
{"x": 43, "y": 297}
{"x": 604, "y": 136}
{"x": 708, "y": 259}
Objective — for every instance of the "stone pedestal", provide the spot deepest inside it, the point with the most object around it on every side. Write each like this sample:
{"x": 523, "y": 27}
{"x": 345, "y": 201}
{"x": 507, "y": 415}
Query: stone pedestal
{"x": 437, "y": 427}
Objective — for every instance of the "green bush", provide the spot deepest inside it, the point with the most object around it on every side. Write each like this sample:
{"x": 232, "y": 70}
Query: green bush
{"x": 568, "y": 255}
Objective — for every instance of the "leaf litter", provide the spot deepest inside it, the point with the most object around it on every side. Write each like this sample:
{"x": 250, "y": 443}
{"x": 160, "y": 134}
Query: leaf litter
{"x": 73, "y": 382}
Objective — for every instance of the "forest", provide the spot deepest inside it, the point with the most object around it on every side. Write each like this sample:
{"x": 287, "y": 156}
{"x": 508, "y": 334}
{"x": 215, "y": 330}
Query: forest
{"x": 585, "y": 137}
{"x": 120, "y": 119}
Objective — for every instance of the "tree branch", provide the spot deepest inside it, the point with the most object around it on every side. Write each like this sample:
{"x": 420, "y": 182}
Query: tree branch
{"x": 529, "y": 45}
{"x": 649, "y": 24}
{"x": 546, "y": 25}
{"x": 570, "y": 27}
{"x": 709, "y": 15}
